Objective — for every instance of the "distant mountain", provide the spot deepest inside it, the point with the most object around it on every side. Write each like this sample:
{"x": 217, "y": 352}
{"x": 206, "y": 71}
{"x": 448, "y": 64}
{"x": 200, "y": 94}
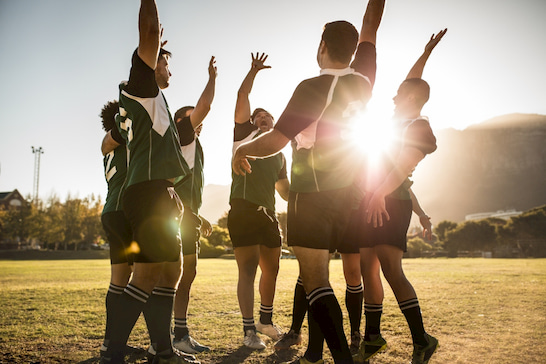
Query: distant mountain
{"x": 499, "y": 164}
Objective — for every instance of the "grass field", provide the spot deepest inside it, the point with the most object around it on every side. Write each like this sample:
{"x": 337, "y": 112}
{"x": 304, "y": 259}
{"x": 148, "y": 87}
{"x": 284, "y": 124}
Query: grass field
{"x": 481, "y": 310}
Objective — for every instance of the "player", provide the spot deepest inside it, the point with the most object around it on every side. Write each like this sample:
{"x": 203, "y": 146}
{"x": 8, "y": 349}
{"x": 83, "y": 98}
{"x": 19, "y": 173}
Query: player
{"x": 252, "y": 223}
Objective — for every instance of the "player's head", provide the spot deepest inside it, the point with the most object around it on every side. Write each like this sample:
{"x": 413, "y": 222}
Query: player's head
{"x": 262, "y": 119}
{"x": 340, "y": 39}
{"x": 412, "y": 95}
{"x": 108, "y": 114}
{"x": 162, "y": 73}
{"x": 182, "y": 113}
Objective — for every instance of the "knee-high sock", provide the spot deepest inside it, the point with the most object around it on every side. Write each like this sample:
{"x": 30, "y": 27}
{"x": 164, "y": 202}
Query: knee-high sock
{"x": 315, "y": 346}
{"x": 300, "y": 306}
{"x": 373, "y": 314}
{"x": 325, "y": 309}
{"x": 354, "y": 295}
{"x": 158, "y": 314}
{"x": 411, "y": 310}
{"x": 131, "y": 304}
{"x": 113, "y": 298}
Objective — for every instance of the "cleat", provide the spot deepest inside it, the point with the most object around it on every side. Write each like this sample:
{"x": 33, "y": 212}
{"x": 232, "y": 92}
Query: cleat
{"x": 302, "y": 360}
{"x": 177, "y": 357}
{"x": 422, "y": 354}
{"x": 369, "y": 349}
{"x": 287, "y": 340}
{"x": 252, "y": 340}
{"x": 129, "y": 350}
{"x": 356, "y": 338}
{"x": 269, "y": 329}
{"x": 188, "y": 345}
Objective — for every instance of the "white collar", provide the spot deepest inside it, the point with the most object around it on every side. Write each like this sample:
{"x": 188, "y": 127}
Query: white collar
{"x": 337, "y": 71}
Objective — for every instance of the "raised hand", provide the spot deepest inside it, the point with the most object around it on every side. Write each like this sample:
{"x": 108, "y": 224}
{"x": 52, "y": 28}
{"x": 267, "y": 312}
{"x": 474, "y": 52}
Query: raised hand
{"x": 212, "y": 68}
{"x": 434, "y": 40}
{"x": 259, "y": 60}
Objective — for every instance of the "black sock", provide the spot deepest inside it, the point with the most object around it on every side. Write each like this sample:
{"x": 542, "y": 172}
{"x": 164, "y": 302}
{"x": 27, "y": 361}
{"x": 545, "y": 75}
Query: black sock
{"x": 131, "y": 304}
{"x": 158, "y": 315}
{"x": 373, "y": 314}
{"x": 180, "y": 328}
{"x": 266, "y": 314}
{"x": 411, "y": 310}
{"x": 248, "y": 324}
{"x": 325, "y": 309}
{"x": 113, "y": 298}
{"x": 315, "y": 346}
{"x": 300, "y": 307}
{"x": 354, "y": 295}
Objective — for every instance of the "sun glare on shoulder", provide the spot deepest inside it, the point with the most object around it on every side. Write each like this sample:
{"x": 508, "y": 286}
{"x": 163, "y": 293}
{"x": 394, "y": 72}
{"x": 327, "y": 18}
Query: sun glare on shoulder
{"x": 372, "y": 134}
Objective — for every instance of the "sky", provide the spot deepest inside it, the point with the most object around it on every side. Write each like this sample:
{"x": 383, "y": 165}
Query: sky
{"x": 61, "y": 60}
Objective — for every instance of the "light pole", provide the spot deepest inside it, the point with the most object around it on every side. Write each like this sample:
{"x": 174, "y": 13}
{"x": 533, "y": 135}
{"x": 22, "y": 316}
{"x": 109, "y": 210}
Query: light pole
{"x": 36, "y": 152}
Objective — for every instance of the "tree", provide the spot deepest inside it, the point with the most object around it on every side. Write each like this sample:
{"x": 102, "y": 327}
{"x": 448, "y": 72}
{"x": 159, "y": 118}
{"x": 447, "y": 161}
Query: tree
{"x": 222, "y": 221}
{"x": 219, "y": 237}
{"x": 471, "y": 236}
{"x": 282, "y": 217}
{"x": 443, "y": 227}
{"x": 416, "y": 247}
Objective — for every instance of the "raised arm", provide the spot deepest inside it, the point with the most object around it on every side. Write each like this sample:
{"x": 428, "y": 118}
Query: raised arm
{"x": 371, "y": 21}
{"x": 242, "y": 107}
{"x": 149, "y": 31}
{"x": 202, "y": 107}
{"x": 417, "y": 69}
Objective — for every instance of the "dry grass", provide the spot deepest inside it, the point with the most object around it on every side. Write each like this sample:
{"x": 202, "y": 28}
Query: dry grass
{"x": 481, "y": 310}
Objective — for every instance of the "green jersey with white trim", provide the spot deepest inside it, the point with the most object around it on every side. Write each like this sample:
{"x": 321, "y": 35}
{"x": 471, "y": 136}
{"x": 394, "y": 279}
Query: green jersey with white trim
{"x": 146, "y": 124}
{"x": 190, "y": 187}
{"x": 115, "y": 172}
{"x": 257, "y": 187}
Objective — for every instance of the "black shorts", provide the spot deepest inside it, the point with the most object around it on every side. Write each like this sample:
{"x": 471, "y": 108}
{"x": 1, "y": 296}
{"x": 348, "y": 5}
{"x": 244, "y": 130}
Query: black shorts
{"x": 153, "y": 209}
{"x": 190, "y": 232}
{"x": 394, "y": 231}
{"x": 250, "y": 224}
{"x": 119, "y": 235}
{"x": 318, "y": 220}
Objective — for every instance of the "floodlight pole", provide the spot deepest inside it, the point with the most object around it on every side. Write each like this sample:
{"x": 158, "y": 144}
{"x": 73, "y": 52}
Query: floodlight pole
{"x": 36, "y": 152}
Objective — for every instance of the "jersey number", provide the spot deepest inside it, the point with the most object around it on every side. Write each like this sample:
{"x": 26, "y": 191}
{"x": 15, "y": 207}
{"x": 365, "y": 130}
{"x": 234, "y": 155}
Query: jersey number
{"x": 109, "y": 172}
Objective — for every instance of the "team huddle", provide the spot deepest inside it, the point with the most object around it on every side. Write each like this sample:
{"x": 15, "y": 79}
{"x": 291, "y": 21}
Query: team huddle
{"x": 154, "y": 163}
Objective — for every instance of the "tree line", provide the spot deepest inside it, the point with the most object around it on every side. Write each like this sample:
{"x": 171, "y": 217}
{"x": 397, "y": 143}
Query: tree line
{"x": 75, "y": 224}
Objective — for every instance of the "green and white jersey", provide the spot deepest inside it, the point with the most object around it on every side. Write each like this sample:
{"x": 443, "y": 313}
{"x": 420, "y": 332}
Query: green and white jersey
{"x": 190, "y": 187}
{"x": 115, "y": 172}
{"x": 257, "y": 187}
{"x": 146, "y": 124}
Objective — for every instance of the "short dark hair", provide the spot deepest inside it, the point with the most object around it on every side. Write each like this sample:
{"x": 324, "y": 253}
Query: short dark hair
{"x": 258, "y": 110}
{"x": 419, "y": 88}
{"x": 341, "y": 39}
{"x": 180, "y": 113}
{"x": 108, "y": 114}
{"x": 163, "y": 51}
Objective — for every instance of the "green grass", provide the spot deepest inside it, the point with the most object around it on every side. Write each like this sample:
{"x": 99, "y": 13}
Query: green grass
{"x": 481, "y": 310}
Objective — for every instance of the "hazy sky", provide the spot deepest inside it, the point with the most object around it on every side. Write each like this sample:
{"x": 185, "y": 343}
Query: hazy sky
{"x": 61, "y": 60}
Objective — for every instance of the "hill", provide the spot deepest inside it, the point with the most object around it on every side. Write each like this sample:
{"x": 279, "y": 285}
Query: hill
{"x": 499, "y": 164}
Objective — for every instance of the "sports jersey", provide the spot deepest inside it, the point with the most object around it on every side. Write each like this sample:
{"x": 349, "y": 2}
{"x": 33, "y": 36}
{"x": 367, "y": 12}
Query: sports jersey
{"x": 190, "y": 187}
{"x": 415, "y": 133}
{"x": 257, "y": 187}
{"x": 146, "y": 124}
{"x": 318, "y": 118}
{"x": 115, "y": 172}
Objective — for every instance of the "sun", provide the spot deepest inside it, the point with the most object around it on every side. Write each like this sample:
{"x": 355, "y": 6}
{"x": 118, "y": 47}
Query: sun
{"x": 372, "y": 134}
